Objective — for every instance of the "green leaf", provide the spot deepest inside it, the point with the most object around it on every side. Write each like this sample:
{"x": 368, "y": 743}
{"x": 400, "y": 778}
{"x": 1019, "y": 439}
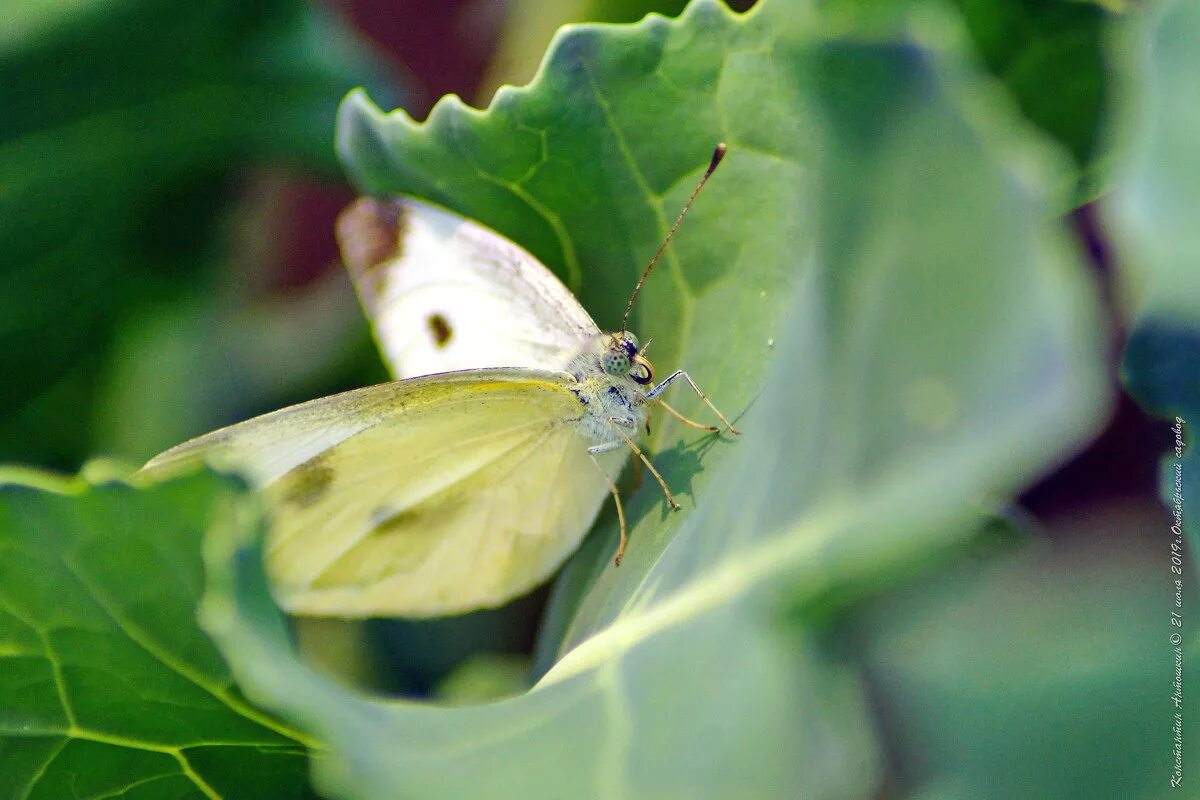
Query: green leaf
{"x": 900, "y": 322}
{"x": 108, "y": 687}
{"x": 122, "y": 121}
{"x": 1153, "y": 211}
{"x": 872, "y": 284}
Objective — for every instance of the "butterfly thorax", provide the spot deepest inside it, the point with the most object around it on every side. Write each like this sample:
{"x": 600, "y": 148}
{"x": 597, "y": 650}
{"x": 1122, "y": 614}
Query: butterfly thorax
{"x": 609, "y": 377}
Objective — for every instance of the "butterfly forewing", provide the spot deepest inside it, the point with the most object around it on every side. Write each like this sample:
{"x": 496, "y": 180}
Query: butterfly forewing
{"x": 445, "y": 293}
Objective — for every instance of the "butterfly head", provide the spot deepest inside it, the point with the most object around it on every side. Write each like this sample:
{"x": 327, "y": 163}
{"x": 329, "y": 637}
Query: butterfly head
{"x": 622, "y": 356}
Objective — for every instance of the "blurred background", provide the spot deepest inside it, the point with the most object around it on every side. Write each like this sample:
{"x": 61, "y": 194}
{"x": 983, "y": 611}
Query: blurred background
{"x": 168, "y": 187}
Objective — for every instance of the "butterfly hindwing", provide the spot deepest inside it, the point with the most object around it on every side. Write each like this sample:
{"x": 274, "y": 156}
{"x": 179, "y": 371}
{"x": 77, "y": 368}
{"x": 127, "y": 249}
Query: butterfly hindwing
{"x": 420, "y": 497}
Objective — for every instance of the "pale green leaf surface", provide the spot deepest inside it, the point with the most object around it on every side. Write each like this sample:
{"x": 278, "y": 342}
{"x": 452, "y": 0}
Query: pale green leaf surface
{"x": 934, "y": 349}
{"x": 1157, "y": 197}
{"x": 1048, "y": 55}
{"x": 107, "y": 686}
{"x": 1154, "y": 209}
{"x": 1042, "y": 658}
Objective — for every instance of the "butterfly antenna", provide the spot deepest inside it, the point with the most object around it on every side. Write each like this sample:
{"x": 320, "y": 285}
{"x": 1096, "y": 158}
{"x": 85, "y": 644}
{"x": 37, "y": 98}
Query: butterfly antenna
{"x": 717, "y": 155}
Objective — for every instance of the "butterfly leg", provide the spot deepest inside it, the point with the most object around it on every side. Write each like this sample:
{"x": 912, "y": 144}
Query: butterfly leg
{"x": 616, "y": 495}
{"x": 685, "y": 420}
{"x": 638, "y": 451}
{"x": 662, "y": 387}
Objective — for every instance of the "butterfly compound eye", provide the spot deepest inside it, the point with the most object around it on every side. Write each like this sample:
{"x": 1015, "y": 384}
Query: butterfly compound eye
{"x": 615, "y": 362}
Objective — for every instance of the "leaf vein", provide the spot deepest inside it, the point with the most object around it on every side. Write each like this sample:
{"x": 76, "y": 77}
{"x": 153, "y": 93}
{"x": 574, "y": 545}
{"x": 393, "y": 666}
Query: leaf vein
{"x": 50, "y": 654}
{"x": 147, "y": 643}
{"x": 612, "y": 768}
{"x": 41, "y": 771}
{"x": 653, "y": 199}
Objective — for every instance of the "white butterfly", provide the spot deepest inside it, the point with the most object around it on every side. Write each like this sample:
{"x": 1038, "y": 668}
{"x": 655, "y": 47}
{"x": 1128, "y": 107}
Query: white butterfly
{"x": 469, "y": 481}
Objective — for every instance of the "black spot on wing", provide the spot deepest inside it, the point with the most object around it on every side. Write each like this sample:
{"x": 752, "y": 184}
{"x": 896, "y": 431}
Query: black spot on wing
{"x": 439, "y": 329}
{"x": 307, "y": 483}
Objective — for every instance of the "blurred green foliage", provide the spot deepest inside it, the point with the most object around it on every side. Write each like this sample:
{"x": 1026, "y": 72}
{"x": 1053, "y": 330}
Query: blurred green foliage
{"x": 1050, "y": 55}
{"x": 529, "y": 27}
{"x": 1154, "y": 210}
{"x": 1153, "y": 207}
{"x": 123, "y": 122}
